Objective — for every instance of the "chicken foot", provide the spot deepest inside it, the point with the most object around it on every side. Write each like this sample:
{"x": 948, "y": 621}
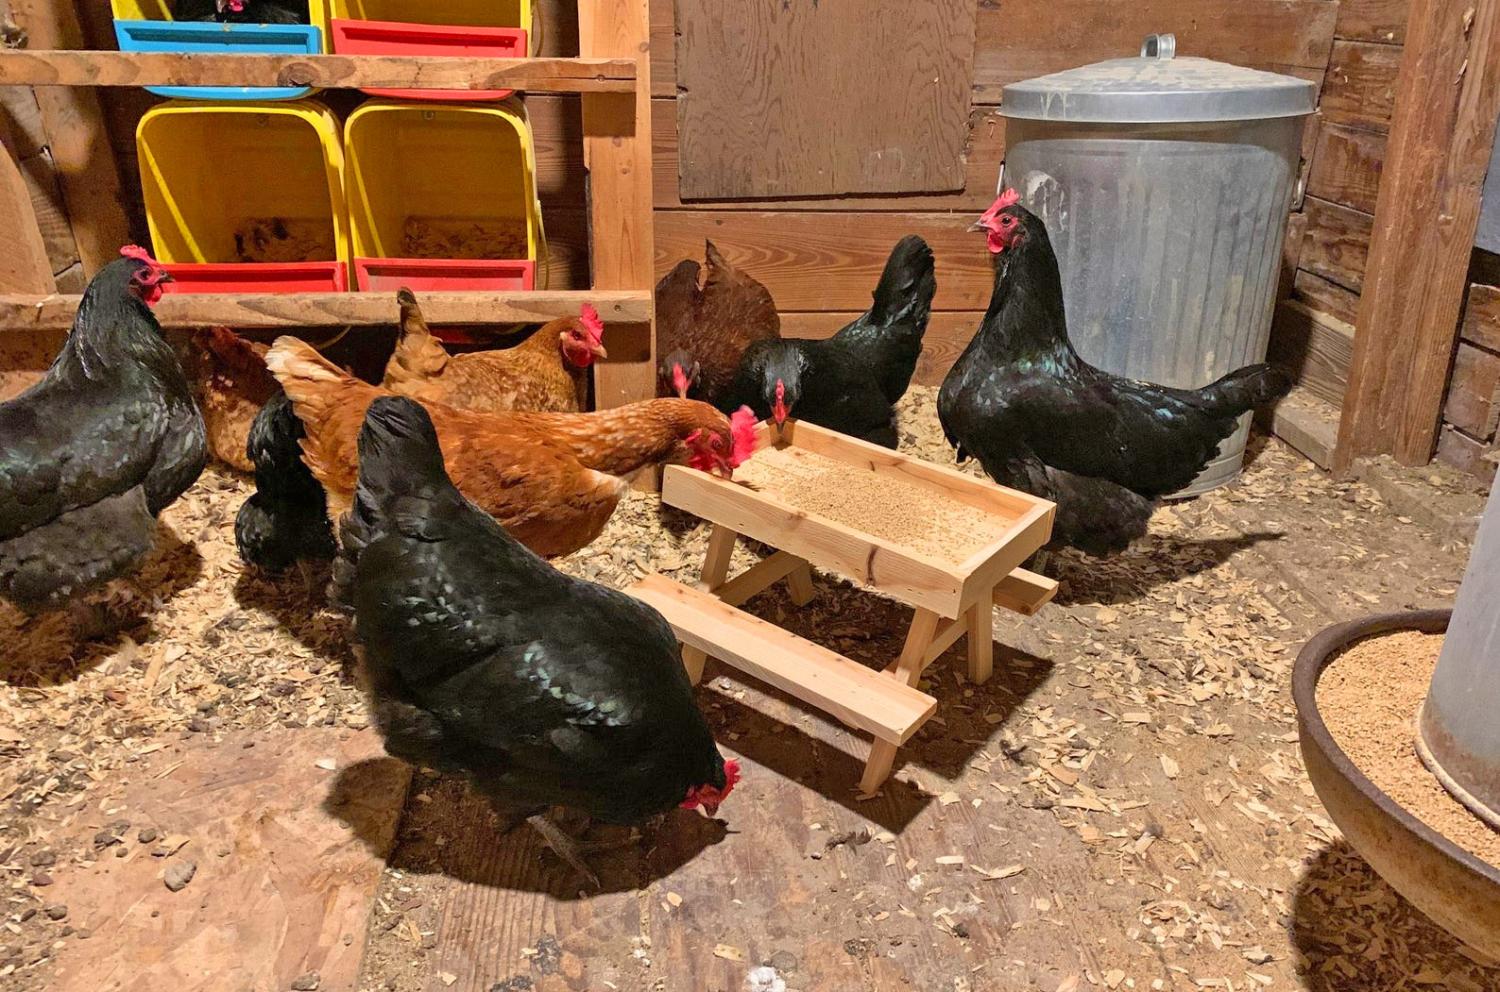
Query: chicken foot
{"x": 563, "y": 846}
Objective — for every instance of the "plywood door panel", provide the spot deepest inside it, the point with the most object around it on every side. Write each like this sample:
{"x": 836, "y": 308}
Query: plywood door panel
{"x": 984, "y": 148}
{"x": 829, "y": 261}
{"x": 1020, "y": 39}
{"x": 792, "y": 98}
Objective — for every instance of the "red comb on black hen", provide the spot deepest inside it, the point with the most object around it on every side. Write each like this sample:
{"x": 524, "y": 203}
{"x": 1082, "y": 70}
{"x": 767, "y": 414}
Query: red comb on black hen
{"x": 1041, "y": 419}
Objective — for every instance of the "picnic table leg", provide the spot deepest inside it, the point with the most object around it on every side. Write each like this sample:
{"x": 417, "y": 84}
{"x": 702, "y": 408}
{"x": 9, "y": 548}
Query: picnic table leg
{"x": 924, "y": 624}
{"x": 981, "y": 633}
{"x": 715, "y": 570}
{"x": 799, "y": 584}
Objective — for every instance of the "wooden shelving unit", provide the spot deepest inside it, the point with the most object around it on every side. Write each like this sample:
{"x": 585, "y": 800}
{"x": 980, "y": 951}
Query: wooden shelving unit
{"x": 611, "y": 77}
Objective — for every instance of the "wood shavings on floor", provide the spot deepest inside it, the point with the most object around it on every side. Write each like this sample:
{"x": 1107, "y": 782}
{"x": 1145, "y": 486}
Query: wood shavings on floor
{"x": 1121, "y": 807}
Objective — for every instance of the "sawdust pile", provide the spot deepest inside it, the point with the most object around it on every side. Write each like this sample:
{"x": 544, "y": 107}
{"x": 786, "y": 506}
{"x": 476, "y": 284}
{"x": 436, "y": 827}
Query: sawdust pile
{"x": 905, "y": 514}
{"x": 1369, "y": 697}
{"x": 448, "y": 237}
{"x": 285, "y": 239}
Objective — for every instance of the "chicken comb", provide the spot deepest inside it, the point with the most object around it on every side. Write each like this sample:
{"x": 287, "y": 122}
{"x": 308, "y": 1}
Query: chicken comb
{"x": 742, "y": 436}
{"x": 1007, "y": 199}
{"x": 732, "y": 775}
{"x": 589, "y": 318}
{"x": 138, "y": 253}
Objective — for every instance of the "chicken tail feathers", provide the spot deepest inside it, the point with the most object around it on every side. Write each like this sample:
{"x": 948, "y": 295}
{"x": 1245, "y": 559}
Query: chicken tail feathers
{"x": 417, "y": 352}
{"x": 273, "y": 533}
{"x": 79, "y": 551}
{"x": 909, "y": 281}
{"x": 1244, "y": 389}
{"x": 286, "y": 518}
{"x": 398, "y": 448}
{"x": 401, "y": 476}
{"x": 401, "y": 472}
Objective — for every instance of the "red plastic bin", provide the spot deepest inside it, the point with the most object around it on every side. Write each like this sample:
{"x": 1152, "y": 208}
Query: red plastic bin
{"x": 379, "y": 275}
{"x": 257, "y": 277}
{"x": 351, "y": 37}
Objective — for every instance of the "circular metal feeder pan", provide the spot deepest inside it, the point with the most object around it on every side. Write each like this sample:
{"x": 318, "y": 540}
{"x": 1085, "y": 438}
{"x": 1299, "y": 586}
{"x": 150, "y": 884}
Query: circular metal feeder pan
{"x": 1454, "y": 888}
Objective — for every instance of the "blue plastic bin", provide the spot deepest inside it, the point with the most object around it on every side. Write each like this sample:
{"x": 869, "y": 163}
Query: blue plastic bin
{"x": 137, "y": 34}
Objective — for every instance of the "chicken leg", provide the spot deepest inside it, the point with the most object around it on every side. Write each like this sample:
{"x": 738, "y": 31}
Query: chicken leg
{"x": 563, "y": 846}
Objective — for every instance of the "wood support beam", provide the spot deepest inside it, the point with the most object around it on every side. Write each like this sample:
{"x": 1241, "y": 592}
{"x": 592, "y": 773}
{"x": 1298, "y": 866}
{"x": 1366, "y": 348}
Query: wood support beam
{"x": 617, "y": 152}
{"x": 1447, "y": 99}
{"x": 77, "y": 138}
{"x": 85, "y": 68}
{"x": 272, "y": 310}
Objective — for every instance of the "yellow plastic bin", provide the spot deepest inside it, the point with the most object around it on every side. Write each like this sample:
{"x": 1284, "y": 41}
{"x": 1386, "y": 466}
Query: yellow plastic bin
{"x": 443, "y": 196}
{"x": 246, "y": 197}
{"x": 475, "y": 28}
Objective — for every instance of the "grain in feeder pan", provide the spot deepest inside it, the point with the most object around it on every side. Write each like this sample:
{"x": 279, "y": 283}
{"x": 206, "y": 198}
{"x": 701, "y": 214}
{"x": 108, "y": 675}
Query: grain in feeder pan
{"x": 1409, "y": 773}
{"x": 1165, "y": 184}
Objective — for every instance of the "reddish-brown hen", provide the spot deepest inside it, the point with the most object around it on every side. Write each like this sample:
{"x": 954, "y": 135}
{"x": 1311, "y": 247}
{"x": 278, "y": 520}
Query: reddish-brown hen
{"x": 702, "y": 331}
{"x": 544, "y": 372}
{"x": 231, "y": 383}
{"x": 553, "y": 479}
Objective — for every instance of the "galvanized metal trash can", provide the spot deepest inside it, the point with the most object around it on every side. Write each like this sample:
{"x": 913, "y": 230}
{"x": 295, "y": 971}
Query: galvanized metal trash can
{"x": 1165, "y": 184}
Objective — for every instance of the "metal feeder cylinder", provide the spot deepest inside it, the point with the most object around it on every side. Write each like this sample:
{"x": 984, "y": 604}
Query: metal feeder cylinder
{"x": 1459, "y": 729}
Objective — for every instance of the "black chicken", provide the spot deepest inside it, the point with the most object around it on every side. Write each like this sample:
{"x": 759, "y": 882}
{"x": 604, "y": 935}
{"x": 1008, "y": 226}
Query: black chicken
{"x": 850, "y": 382}
{"x": 96, "y": 449}
{"x": 483, "y": 659}
{"x": 1040, "y": 418}
{"x": 243, "y": 11}
{"x": 286, "y": 518}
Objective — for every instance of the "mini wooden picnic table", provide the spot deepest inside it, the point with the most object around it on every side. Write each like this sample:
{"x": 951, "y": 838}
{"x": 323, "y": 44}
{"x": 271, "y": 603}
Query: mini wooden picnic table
{"x": 949, "y": 599}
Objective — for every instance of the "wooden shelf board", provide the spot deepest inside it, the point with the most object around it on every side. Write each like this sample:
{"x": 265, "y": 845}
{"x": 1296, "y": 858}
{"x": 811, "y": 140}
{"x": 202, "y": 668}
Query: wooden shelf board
{"x": 270, "y": 310}
{"x": 88, "y": 68}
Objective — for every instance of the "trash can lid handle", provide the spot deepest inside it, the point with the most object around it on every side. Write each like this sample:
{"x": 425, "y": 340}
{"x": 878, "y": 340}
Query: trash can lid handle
{"x": 1159, "y": 46}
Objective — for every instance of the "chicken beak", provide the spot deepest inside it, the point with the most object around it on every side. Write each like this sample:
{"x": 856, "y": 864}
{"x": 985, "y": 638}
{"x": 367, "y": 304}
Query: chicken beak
{"x": 712, "y": 809}
{"x": 977, "y": 226}
{"x": 597, "y": 350}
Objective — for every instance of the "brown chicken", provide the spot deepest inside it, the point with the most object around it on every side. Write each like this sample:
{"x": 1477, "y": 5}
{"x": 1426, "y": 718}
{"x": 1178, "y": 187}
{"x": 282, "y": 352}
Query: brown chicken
{"x": 231, "y": 383}
{"x": 544, "y": 372}
{"x": 553, "y": 479}
{"x": 704, "y": 330}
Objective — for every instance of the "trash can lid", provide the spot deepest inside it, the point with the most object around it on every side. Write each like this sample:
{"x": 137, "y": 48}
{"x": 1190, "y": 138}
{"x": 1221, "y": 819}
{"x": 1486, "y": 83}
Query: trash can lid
{"x": 1159, "y": 88}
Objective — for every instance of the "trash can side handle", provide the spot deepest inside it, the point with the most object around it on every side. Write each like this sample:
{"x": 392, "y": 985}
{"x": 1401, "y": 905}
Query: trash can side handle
{"x": 1159, "y": 46}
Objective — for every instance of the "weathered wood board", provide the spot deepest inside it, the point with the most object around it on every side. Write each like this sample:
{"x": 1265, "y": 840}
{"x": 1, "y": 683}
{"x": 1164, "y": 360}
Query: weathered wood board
{"x": 793, "y": 98}
{"x": 822, "y": 261}
{"x": 1338, "y": 242}
{"x": 1346, "y": 167}
{"x": 287, "y": 855}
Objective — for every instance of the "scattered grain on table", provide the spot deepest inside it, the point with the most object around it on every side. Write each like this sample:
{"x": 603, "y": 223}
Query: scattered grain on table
{"x": 901, "y": 512}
